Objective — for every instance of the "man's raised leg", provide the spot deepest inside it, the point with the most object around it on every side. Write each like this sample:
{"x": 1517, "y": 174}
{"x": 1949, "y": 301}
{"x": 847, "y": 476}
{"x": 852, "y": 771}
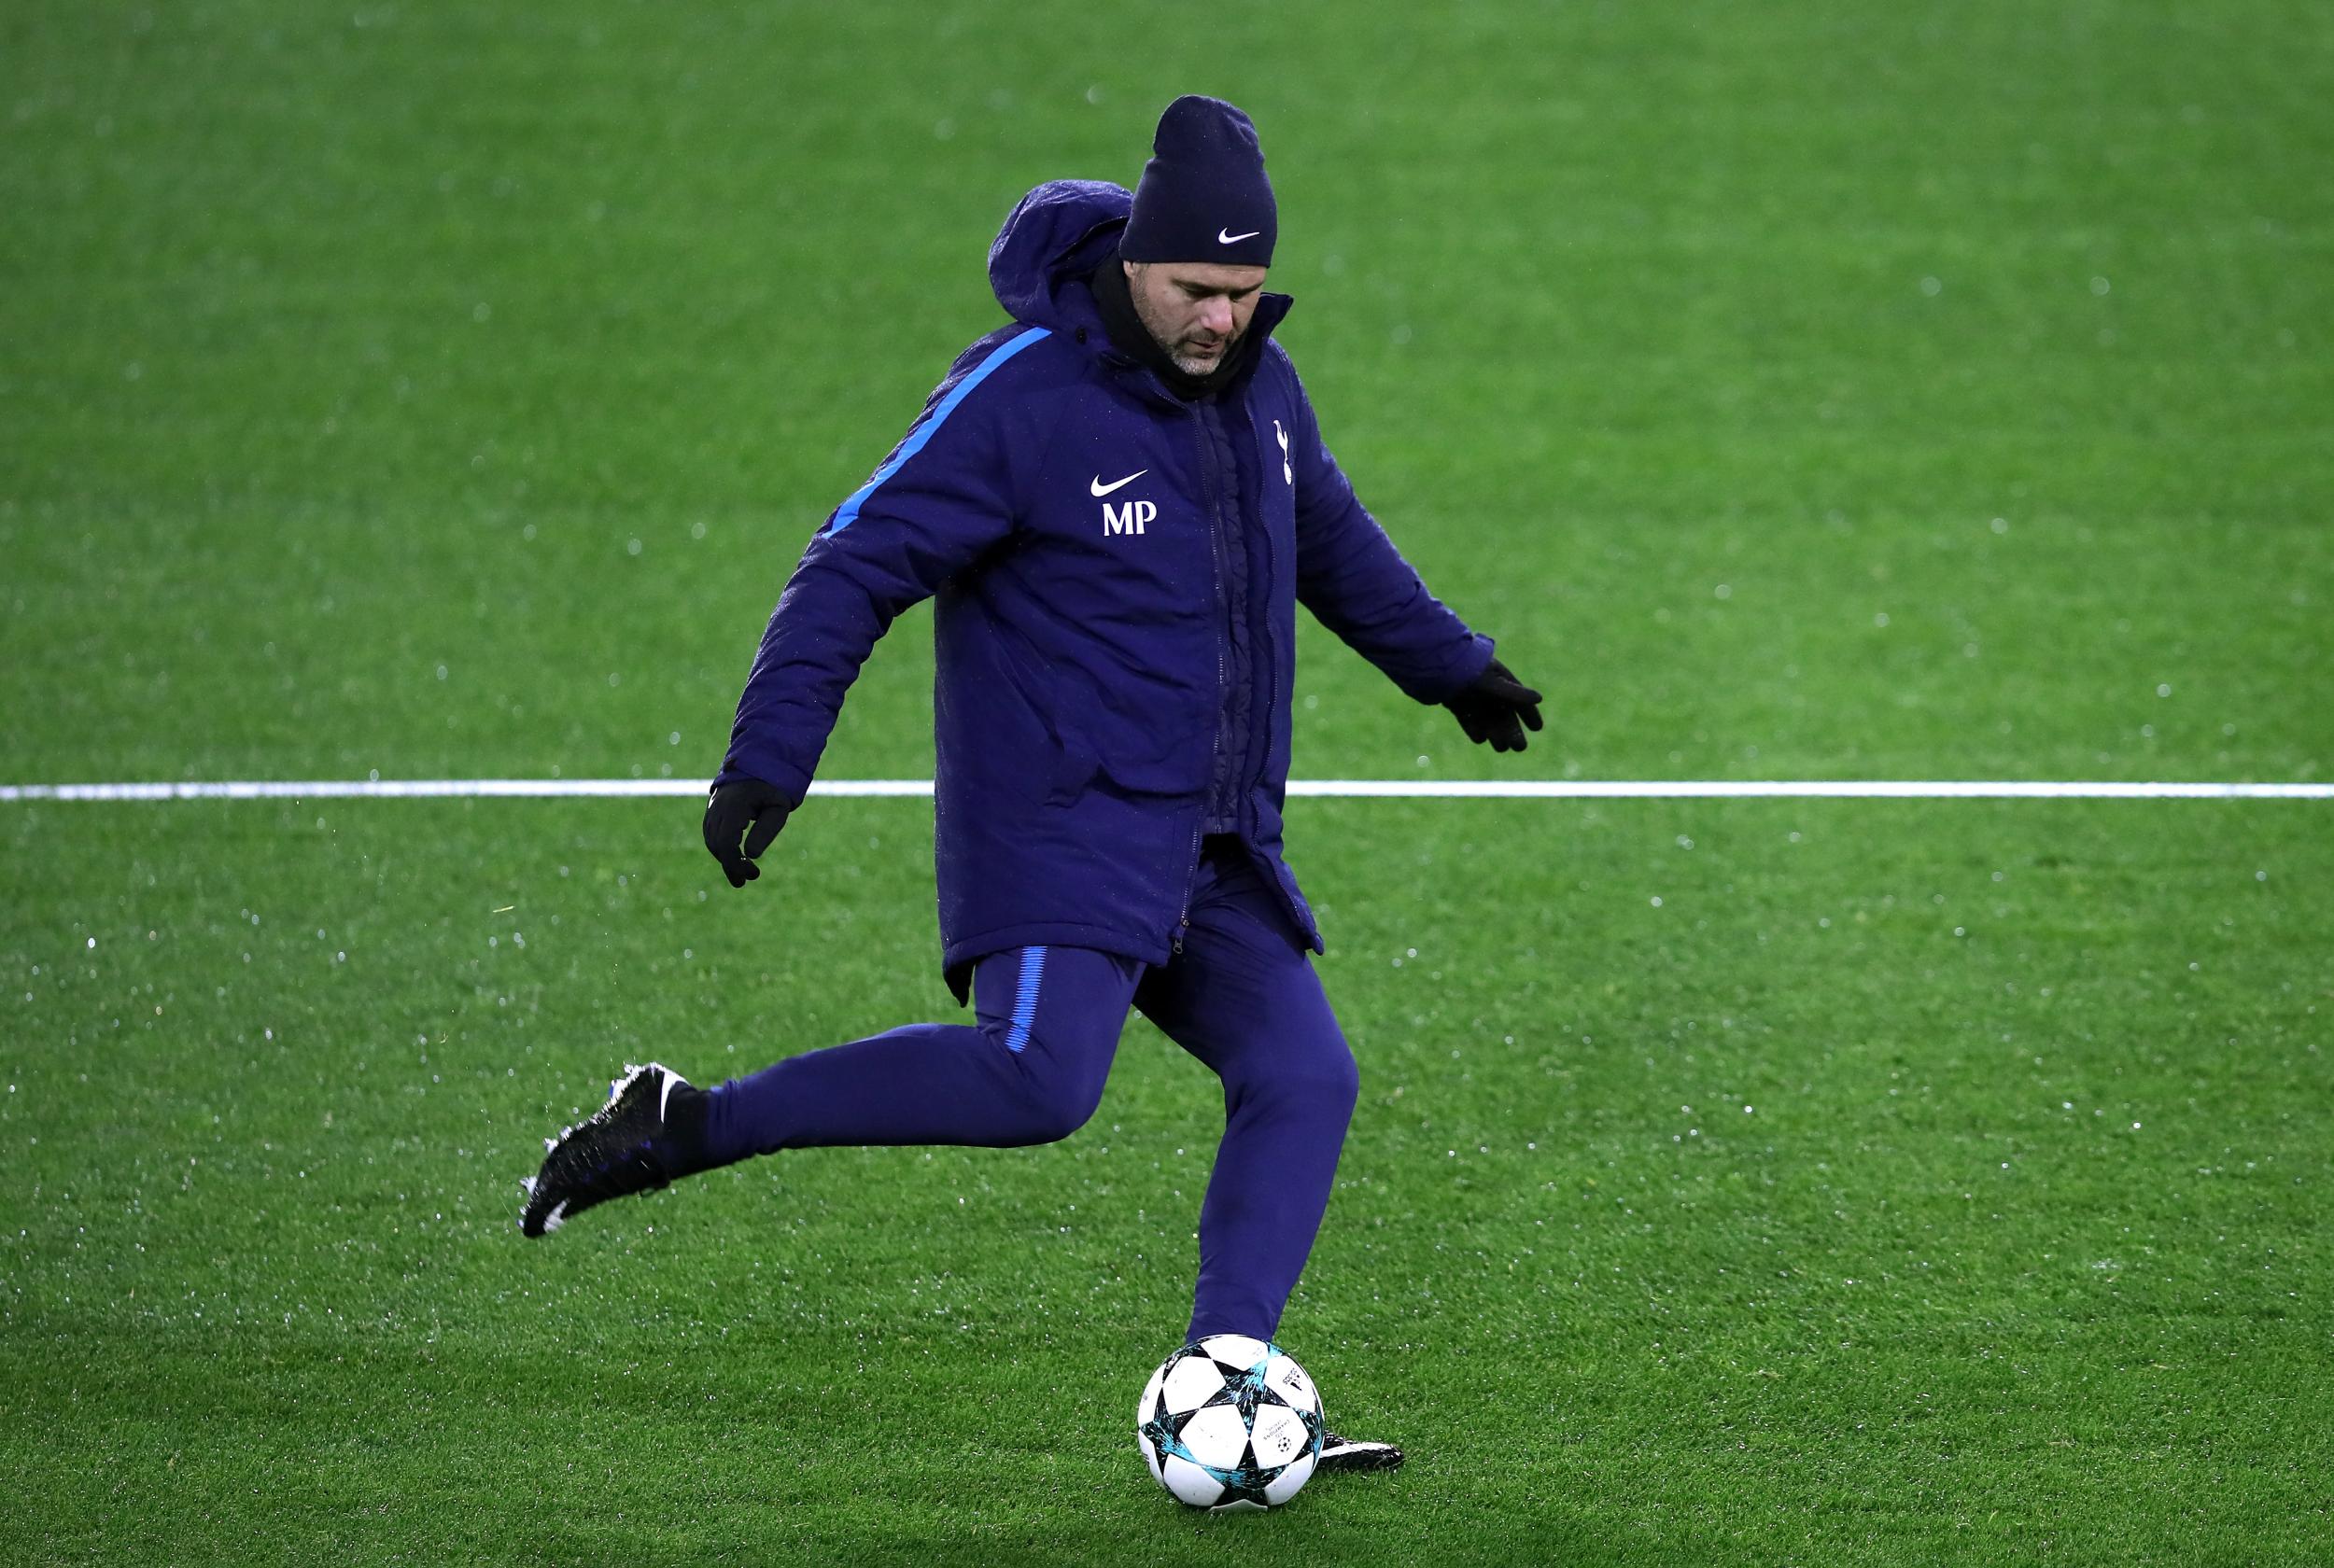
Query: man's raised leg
{"x": 1030, "y": 1071}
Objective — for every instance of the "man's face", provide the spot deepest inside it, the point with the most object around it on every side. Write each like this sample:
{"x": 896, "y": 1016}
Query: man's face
{"x": 1194, "y": 310}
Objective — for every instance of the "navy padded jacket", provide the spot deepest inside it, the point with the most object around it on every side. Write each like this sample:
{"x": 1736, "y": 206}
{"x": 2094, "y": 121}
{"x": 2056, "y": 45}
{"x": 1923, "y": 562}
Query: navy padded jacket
{"x": 1115, "y": 655}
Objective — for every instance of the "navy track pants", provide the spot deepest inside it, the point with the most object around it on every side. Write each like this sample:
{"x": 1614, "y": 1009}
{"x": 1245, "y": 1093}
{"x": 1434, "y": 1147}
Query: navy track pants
{"x": 1241, "y": 996}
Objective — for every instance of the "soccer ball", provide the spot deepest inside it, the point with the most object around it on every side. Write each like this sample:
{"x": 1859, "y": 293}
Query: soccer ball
{"x": 1230, "y": 1423}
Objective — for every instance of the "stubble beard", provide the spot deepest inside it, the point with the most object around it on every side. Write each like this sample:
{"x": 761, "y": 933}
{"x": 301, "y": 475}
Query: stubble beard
{"x": 1189, "y": 364}
{"x": 1194, "y": 366}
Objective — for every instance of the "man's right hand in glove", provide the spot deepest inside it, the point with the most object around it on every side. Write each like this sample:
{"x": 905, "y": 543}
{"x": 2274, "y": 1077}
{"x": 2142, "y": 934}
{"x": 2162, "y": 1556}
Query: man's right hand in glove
{"x": 1498, "y": 708}
{"x": 747, "y": 809}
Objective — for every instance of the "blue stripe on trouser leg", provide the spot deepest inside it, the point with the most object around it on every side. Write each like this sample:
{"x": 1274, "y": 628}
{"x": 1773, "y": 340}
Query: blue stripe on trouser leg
{"x": 1025, "y": 1000}
{"x": 948, "y": 1082}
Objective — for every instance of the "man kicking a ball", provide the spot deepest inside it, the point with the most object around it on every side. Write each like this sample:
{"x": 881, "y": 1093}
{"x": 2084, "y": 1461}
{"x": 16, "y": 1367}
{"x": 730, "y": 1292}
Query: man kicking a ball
{"x": 1118, "y": 499}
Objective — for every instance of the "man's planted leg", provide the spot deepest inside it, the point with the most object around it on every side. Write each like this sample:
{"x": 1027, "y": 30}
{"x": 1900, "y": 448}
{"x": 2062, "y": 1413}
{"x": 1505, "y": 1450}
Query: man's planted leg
{"x": 1289, "y": 1086}
{"x": 1243, "y": 997}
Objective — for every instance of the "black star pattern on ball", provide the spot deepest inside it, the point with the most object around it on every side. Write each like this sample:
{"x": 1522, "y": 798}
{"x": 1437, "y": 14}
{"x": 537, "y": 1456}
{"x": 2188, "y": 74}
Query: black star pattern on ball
{"x": 1243, "y": 1387}
{"x": 1163, "y": 1432}
{"x": 1247, "y": 1483}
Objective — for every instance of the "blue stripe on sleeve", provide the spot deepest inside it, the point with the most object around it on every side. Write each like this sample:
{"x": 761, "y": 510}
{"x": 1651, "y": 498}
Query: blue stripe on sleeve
{"x": 1025, "y": 999}
{"x": 847, "y": 513}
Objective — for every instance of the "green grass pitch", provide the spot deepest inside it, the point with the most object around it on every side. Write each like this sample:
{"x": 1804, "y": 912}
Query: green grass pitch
{"x": 1810, "y": 390}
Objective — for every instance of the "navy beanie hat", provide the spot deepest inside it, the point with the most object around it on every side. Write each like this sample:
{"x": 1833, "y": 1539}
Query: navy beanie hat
{"x": 1204, "y": 195}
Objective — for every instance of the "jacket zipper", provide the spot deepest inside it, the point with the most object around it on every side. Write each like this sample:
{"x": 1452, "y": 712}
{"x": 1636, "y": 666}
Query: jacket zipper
{"x": 1220, "y": 548}
{"x": 1190, "y": 882}
{"x": 1222, "y": 619}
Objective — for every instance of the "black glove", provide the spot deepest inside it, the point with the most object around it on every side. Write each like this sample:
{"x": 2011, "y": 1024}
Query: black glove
{"x": 747, "y": 808}
{"x": 1491, "y": 708}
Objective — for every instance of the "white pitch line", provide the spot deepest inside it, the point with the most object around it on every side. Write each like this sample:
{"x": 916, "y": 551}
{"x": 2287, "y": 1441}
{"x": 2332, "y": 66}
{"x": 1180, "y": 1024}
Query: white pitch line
{"x": 1869, "y": 789}
{"x": 1381, "y": 788}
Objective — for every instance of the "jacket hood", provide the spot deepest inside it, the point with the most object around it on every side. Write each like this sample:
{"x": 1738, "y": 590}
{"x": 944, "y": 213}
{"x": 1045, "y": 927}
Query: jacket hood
{"x": 1063, "y": 229}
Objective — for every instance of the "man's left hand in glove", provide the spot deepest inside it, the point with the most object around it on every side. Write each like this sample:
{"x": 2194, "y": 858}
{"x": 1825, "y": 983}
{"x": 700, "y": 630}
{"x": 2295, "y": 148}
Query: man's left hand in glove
{"x": 1496, "y": 708}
